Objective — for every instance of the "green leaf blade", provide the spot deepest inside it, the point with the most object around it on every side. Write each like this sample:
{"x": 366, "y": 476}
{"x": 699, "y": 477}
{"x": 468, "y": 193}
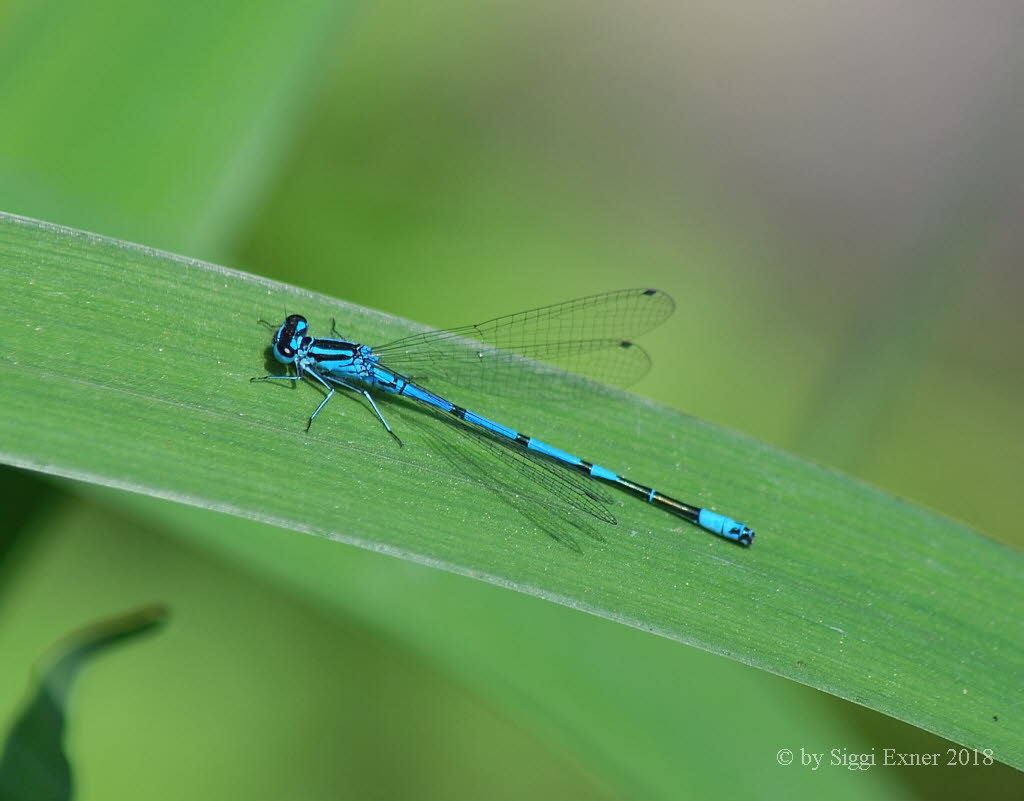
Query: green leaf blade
{"x": 130, "y": 368}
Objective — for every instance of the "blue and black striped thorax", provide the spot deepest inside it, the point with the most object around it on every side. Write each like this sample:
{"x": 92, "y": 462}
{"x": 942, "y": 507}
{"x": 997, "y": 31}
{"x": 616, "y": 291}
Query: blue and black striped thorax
{"x": 293, "y": 345}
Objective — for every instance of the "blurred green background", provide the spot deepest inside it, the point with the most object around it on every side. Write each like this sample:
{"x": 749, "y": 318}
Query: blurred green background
{"x": 832, "y": 192}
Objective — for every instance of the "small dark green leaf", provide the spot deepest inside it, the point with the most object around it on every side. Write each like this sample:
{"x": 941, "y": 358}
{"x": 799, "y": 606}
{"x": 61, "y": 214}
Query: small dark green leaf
{"x": 34, "y": 766}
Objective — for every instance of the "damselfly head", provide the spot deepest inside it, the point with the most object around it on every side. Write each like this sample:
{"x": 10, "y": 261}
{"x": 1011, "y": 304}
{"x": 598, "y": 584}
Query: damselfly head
{"x": 288, "y": 338}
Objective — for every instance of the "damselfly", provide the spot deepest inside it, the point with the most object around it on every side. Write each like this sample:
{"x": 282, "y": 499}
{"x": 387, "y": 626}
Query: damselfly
{"x": 591, "y": 335}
